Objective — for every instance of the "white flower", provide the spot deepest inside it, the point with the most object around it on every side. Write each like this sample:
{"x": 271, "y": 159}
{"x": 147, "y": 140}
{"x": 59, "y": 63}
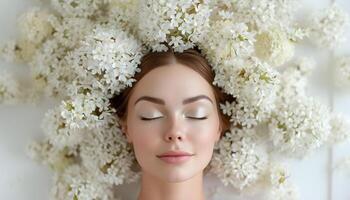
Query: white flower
{"x": 294, "y": 78}
{"x": 107, "y": 60}
{"x": 20, "y": 50}
{"x": 293, "y": 84}
{"x": 328, "y": 26}
{"x": 178, "y": 23}
{"x": 47, "y": 154}
{"x": 106, "y": 153}
{"x": 238, "y": 159}
{"x": 340, "y": 129}
{"x": 88, "y": 51}
{"x": 274, "y": 47}
{"x": 69, "y": 31}
{"x": 9, "y": 88}
{"x": 25, "y": 50}
{"x": 288, "y": 192}
{"x": 77, "y": 183}
{"x": 281, "y": 187}
{"x": 244, "y": 114}
{"x": 252, "y": 80}
{"x": 49, "y": 66}
{"x": 122, "y": 13}
{"x": 261, "y": 15}
{"x": 8, "y": 51}
{"x": 342, "y": 71}
{"x": 34, "y": 28}
{"x": 50, "y": 70}
{"x": 34, "y": 25}
{"x": 296, "y": 33}
{"x": 74, "y": 8}
{"x": 58, "y": 131}
{"x": 85, "y": 110}
{"x": 305, "y": 65}
{"x": 299, "y": 125}
{"x": 278, "y": 174}
{"x": 254, "y": 84}
{"x": 227, "y": 41}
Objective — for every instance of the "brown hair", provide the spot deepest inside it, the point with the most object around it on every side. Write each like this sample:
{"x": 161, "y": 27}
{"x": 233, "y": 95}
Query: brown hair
{"x": 191, "y": 58}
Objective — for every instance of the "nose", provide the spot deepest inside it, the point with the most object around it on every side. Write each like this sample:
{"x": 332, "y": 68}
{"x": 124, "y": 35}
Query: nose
{"x": 170, "y": 138}
{"x": 175, "y": 131}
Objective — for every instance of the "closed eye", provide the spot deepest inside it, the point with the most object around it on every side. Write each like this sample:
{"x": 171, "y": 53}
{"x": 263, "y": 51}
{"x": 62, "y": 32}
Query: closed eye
{"x": 149, "y": 119}
{"x": 198, "y": 118}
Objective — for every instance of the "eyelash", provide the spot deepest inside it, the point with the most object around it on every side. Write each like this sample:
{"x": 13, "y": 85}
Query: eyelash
{"x": 150, "y": 119}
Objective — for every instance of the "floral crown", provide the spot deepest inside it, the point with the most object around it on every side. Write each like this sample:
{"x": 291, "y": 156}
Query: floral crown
{"x": 85, "y": 52}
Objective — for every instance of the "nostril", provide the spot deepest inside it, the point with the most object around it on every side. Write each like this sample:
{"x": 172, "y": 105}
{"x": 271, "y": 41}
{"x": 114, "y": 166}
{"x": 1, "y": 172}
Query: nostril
{"x": 171, "y": 138}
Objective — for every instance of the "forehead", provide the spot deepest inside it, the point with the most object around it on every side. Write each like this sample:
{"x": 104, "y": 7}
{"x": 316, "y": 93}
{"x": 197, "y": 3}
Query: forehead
{"x": 172, "y": 83}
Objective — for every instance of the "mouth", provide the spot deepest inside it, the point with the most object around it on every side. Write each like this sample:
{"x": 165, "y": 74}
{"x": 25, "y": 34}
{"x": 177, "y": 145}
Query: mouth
{"x": 175, "y": 153}
{"x": 175, "y": 159}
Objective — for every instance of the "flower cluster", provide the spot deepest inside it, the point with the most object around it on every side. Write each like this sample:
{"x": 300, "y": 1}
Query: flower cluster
{"x": 227, "y": 41}
{"x": 294, "y": 79}
{"x": 35, "y": 27}
{"x": 260, "y": 14}
{"x": 66, "y": 123}
{"x": 328, "y": 26}
{"x": 58, "y": 131}
{"x": 106, "y": 154}
{"x": 9, "y": 88}
{"x": 122, "y": 14}
{"x": 298, "y": 126}
{"x": 238, "y": 160}
{"x": 340, "y": 126}
{"x": 76, "y": 183}
{"x": 274, "y": 46}
{"x": 181, "y": 24}
{"x": 342, "y": 71}
{"x": 282, "y": 187}
{"x": 254, "y": 85}
{"x": 107, "y": 60}
{"x": 88, "y": 168}
{"x": 76, "y": 8}
{"x": 86, "y": 110}
{"x": 49, "y": 66}
{"x": 85, "y": 52}
{"x": 55, "y": 158}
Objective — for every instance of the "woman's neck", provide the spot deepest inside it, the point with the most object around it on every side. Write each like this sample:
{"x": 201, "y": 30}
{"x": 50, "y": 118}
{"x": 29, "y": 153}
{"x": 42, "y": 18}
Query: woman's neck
{"x": 153, "y": 188}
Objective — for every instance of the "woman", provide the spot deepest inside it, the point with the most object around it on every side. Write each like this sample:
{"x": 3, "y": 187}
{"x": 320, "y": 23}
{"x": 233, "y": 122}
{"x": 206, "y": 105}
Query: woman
{"x": 172, "y": 119}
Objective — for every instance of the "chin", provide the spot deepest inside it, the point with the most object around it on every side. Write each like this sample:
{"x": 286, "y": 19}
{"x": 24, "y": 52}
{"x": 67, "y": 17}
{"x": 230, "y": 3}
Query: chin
{"x": 179, "y": 176}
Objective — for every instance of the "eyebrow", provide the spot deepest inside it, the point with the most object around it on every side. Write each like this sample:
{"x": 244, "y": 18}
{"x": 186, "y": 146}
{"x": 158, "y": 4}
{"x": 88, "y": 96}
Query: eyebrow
{"x": 161, "y": 101}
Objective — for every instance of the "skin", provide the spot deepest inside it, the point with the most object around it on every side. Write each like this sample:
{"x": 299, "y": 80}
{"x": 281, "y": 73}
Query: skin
{"x": 173, "y": 128}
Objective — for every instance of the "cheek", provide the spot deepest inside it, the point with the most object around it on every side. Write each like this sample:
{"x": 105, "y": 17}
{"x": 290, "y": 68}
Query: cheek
{"x": 144, "y": 147}
{"x": 203, "y": 142}
{"x": 143, "y": 137}
{"x": 204, "y": 135}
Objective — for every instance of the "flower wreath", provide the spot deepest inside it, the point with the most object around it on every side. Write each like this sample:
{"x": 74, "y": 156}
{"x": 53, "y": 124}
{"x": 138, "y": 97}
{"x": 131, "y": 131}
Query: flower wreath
{"x": 85, "y": 52}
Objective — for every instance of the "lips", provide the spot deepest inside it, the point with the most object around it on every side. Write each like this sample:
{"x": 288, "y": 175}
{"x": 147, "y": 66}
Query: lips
{"x": 175, "y": 157}
{"x": 175, "y": 154}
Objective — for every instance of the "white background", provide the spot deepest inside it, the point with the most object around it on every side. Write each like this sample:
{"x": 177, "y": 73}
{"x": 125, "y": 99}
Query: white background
{"x": 22, "y": 178}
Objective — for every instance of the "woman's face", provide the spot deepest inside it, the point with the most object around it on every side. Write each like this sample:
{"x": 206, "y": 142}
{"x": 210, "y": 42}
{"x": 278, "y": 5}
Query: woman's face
{"x": 176, "y": 122}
